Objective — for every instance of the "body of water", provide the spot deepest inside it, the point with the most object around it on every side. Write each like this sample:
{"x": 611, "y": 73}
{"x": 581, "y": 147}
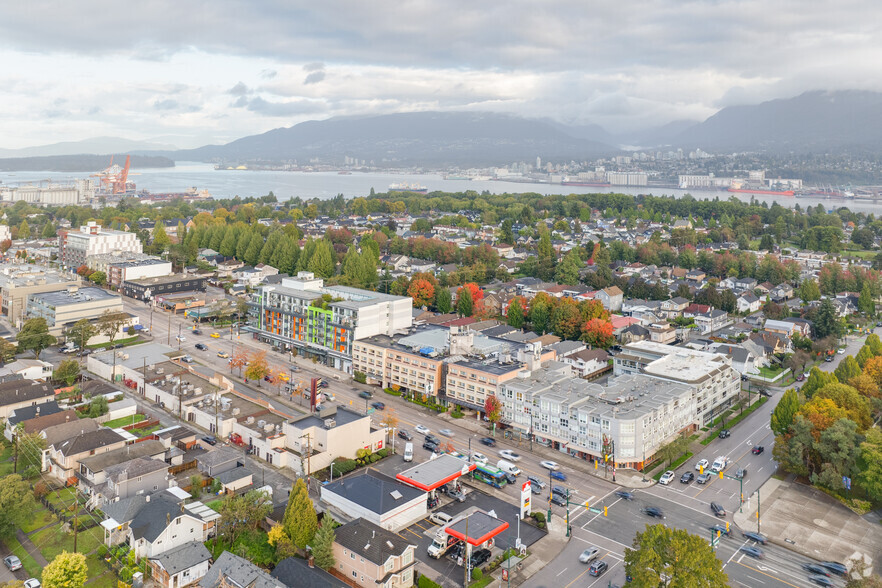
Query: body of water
{"x": 286, "y": 185}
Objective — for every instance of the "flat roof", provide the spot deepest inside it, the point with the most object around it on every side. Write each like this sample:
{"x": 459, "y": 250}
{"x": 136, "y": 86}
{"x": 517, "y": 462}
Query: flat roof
{"x": 149, "y": 353}
{"x": 65, "y": 298}
{"x": 477, "y": 528}
{"x": 491, "y": 367}
{"x": 686, "y": 364}
{"x": 434, "y": 473}
{"x": 164, "y": 280}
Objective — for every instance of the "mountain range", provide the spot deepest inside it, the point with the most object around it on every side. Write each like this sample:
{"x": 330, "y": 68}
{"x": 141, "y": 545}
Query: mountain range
{"x": 816, "y": 121}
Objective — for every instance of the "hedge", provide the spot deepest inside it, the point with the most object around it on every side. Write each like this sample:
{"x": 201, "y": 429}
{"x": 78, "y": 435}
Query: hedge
{"x": 426, "y": 582}
{"x": 391, "y": 392}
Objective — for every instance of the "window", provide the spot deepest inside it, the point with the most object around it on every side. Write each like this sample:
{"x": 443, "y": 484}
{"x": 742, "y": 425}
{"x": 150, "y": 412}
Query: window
{"x": 351, "y": 556}
{"x": 354, "y": 574}
{"x": 389, "y": 565}
{"x": 408, "y": 557}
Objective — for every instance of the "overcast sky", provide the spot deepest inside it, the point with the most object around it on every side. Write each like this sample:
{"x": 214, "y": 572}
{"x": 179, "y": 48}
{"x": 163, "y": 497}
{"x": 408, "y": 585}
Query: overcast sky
{"x": 191, "y": 72}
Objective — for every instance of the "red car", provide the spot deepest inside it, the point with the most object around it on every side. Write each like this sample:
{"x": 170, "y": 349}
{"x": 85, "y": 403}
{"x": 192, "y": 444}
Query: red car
{"x": 757, "y": 449}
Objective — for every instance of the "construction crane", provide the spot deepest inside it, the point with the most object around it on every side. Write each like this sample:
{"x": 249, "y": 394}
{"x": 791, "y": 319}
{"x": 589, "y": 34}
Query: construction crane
{"x": 115, "y": 178}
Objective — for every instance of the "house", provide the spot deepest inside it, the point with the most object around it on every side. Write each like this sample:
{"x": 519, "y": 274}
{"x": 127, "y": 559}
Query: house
{"x": 218, "y": 460}
{"x": 21, "y": 393}
{"x": 711, "y": 321}
{"x": 694, "y": 310}
{"x": 65, "y": 456}
{"x": 29, "y": 369}
{"x": 781, "y": 292}
{"x": 696, "y": 275}
{"x": 662, "y": 332}
{"x": 370, "y": 555}
{"x": 743, "y": 360}
{"x": 181, "y": 566}
{"x": 129, "y": 470}
{"x": 396, "y": 262}
{"x": 748, "y": 302}
{"x": 611, "y": 298}
{"x": 633, "y": 334}
{"x": 588, "y": 362}
{"x": 34, "y": 419}
{"x": 235, "y": 479}
{"x": 296, "y": 571}
{"x": 421, "y": 266}
{"x": 802, "y": 327}
{"x": 784, "y": 327}
{"x": 674, "y": 307}
{"x": 232, "y": 571}
{"x": 154, "y": 524}
{"x": 247, "y": 275}
{"x": 744, "y": 284}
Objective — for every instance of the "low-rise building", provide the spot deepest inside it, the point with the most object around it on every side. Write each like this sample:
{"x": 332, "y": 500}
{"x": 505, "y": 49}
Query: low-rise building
{"x": 384, "y": 501}
{"x": 662, "y": 332}
{"x": 389, "y": 363}
{"x": 18, "y": 394}
{"x": 18, "y": 281}
{"x": 65, "y": 456}
{"x": 588, "y": 363}
{"x": 148, "y": 288}
{"x": 181, "y": 566}
{"x": 132, "y": 469}
{"x": 63, "y": 308}
{"x": 369, "y": 555}
{"x": 75, "y": 247}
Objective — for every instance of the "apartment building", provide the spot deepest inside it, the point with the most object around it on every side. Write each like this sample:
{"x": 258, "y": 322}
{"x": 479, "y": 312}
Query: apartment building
{"x": 18, "y": 281}
{"x": 65, "y": 307}
{"x": 470, "y": 382}
{"x": 636, "y": 414}
{"x": 387, "y": 363}
{"x": 321, "y": 321}
{"x": 75, "y": 247}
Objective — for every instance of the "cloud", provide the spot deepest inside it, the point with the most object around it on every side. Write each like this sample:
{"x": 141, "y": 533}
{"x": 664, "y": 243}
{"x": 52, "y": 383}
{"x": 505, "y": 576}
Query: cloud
{"x": 268, "y": 74}
{"x": 239, "y": 89}
{"x": 315, "y": 66}
{"x": 285, "y": 109}
{"x": 167, "y": 104}
{"x": 314, "y": 78}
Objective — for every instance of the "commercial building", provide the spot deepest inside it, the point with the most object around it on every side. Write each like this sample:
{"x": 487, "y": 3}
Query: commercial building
{"x": 383, "y": 501}
{"x": 75, "y": 247}
{"x": 17, "y": 281}
{"x": 631, "y": 417}
{"x": 149, "y": 288}
{"x": 627, "y": 178}
{"x": 120, "y": 266}
{"x": 470, "y": 382}
{"x": 63, "y": 308}
{"x": 716, "y": 384}
{"x": 53, "y": 194}
{"x": 323, "y": 321}
{"x": 390, "y": 363}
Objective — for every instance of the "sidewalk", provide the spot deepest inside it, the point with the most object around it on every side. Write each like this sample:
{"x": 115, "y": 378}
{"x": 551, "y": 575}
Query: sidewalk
{"x": 809, "y": 522}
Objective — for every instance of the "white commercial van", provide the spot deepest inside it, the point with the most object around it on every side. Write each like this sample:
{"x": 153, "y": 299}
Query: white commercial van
{"x": 408, "y": 452}
{"x": 508, "y": 467}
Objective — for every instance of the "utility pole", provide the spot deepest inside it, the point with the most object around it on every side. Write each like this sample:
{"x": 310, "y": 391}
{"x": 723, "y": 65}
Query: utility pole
{"x": 168, "y": 338}
{"x": 467, "y": 557}
{"x": 76, "y": 524}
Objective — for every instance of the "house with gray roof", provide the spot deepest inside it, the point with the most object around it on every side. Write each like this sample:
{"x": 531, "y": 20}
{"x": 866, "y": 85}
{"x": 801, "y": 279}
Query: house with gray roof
{"x": 132, "y": 469}
{"x": 296, "y": 571}
{"x": 381, "y": 558}
{"x": 20, "y": 393}
{"x": 65, "y": 455}
{"x": 181, "y": 566}
{"x": 232, "y": 570}
{"x": 218, "y": 460}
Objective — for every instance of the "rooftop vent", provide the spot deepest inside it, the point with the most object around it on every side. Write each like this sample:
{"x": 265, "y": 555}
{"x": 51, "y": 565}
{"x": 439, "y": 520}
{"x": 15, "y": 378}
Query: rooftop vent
{"x": 330, "y": 423}
{"x": 395, "y": 494}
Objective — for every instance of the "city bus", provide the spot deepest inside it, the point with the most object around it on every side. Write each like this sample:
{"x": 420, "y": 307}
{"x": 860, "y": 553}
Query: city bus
{"x": 489, "y": 475}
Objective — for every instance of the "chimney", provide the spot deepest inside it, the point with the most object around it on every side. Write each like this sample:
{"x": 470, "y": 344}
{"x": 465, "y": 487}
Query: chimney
{"x": 167, "y": 518}
{"x": 311, "y": 561}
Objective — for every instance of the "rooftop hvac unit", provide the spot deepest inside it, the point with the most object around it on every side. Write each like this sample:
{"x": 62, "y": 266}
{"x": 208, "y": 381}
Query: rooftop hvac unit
{"x": 249, "y": 420}
{"x": 330, "y": 423}
{"x": 160, "y": 371}
{"x": 278, "y": 428}
{"x": 268, "y": 428}
{"x": 197, "y": 391}
{"x": 151, "y": 367}
{"x": 236, "y": 411}
{"x": 261, "y": 423}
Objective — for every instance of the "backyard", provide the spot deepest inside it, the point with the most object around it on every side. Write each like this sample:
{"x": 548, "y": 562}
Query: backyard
{"x": 125, "y": 421}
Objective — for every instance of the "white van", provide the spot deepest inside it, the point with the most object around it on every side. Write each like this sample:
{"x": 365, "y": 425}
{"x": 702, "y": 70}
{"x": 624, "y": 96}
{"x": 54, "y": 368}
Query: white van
{"x": 440, "y": 518}
{"x": 408, "y": 452}
{"x": 508, "y": 467}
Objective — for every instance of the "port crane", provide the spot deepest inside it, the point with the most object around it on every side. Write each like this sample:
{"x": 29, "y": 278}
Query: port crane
{"x": 115, "y": 178}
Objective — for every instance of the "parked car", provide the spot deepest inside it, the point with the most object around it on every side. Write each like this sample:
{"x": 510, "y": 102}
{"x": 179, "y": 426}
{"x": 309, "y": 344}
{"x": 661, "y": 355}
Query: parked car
{"x": 378, "y": 405}
{"x": 365, "y": 394}
{"x": 800, "y": 378}
{"x": 201, "y": 346}
{"x": 479, "y": 558}
{"x": 510, "y": 455}
{"x": 718, "y": 509}
{"x": 724, "y": 434}
{"x": 701, "y": 464}
{"x": 180, "y": 338}
{"x": 32, "y": 583}
{"x": 457, "y": 494}
{"x": 432, "y": 502}
{"x": 187, "y": 359}
{"x": 687, "y": 477}
{"x": 702, "y": 478}
{"x": 405, "y": 434}
{"x": 666, "y": 478}
{"x": 754, "y": 552}
{"x": 447, "y": 432}
{"x": 480, "y": 458}
{"x": 12, "y": 562}
{"x": 829, "y": 359}
{"x": 559, "y": 476}
{"x": 488, "y": 441}
{"x": 624, "y": 495}
{"x": 210, "y": 440}
{"x": 761, "y": 539}
{"x": 549, "y": 465}
{"x": 757, "y": 449}
{"x": 597, "y": 568}
{"x": 588, "y": 554}
{"x": 653, "y": 511}
{"x": 422, "y": 430}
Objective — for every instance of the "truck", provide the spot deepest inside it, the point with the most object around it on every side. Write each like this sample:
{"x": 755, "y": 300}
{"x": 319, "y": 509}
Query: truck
{"x": 720, "y": 464}
{"x": 441, "y": 544}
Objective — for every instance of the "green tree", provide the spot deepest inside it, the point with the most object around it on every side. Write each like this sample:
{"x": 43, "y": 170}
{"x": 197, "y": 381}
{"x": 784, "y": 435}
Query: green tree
{"x": 110, "y": 323}
{"x": 443, "y": 300}
{"x": 29, "y": 449}
{"x": 540, "y": 316}
{"x": 515, "y": 313}
{"x": 847, "y": 369}
{"x": 663, "y": 556}
{"x": 49, "y": 230}
{"x": 252, "y": 254}
{"x": 863, "y": 355}
{"x": 875, "y": 344}
{"x": 870, "y": 477}
{"x": 161, "y": 240}
{"x": 766, "y": 243}
{"x": 243, "y": 512}
{"x": 827, "y": 323}
{"x": 817, "y": 379}
{"x": 24, "y": 231}
{"x": 323, "y": 544}
{"x": 7, "y": 351}
{"x": 545, "y": 254}
{"x": 809, "y": 291}
{"x": 865, "y": 301}
{"x": 67, "y": 371}
{"x": 568, "y": 270}
{"x": 322, "y": 263}
{"x": 793, "y": 450}
{"x": 16, "y": 504}
{"x": 34, "y": 336}
{"x": 465, "y": 305}
{"x": 300, "y": 521}
{"x": 67, "y": 570}
{"x": 839, "y": 451}
{"x": 98, "y": 278}
{"x": 785, "y": 412}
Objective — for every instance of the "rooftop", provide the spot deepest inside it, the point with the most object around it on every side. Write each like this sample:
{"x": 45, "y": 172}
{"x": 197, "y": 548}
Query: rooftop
{"x": 477, "y": 528}
{"x": 687, "y": 365}
{"x": 373, "y": 491}
{"x": 436, "y": 472}
{"x": 370, "y": 541}
{"x": 490, "y": 366}
{"x": 17, "y": 275}
{"x": 173, "y": 278}
{"x": 17, "y": 391}
{"x": 183, "y": 557}
{"x": 339, "y": 414}
{"x": 139, "y": 355}
{"x": 74, "y": 295}
{"x": 102, "y": 461}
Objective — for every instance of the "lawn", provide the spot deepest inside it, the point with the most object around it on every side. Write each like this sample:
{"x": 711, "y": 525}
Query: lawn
{"x": 215, "y": 504}
{"x": 680, "y": 461}
{"x": 108, "y": 580}
{"x": 53, "y": 541}
{"x": 148, "y": 430}
{"x": 770, "y": 373}
{"x": 128, "y": 341}
{"x": 63, "y": 497}
{"x": 40, "y": 519}
{"x": 30, "y": 564}
{"x": 5, "y": 464}
{"x": 124, "y": 421}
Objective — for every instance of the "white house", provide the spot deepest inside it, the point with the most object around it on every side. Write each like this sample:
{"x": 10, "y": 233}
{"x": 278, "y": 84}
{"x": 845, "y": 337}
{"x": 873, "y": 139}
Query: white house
{"x": 588, "y": 362}
{"x": 748, "y": 302}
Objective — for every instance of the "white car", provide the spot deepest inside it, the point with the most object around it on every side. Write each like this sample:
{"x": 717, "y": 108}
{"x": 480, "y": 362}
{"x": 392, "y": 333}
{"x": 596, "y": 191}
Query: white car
{"x": 32, "y": 583}
{"x": 422, "y": 429}
{"x": 666, "y": 478}
{"x": 447, "y": 432}
{"x": 181, "y": 338}
{"x": 480, "y": 458}
{"x": 550, "y": 465}
{"x": 510, "y": 455}
{"x": 589, "y": 554}
{"x": 701, "y": 465}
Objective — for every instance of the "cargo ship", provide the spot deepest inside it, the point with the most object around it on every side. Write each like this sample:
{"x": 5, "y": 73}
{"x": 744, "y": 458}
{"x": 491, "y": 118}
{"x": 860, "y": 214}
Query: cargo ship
{"x": 833, "y": 193}
{"x": 578, "y": 183}
{"x": 408, "y": 188}
{"x": 770, "y": 192}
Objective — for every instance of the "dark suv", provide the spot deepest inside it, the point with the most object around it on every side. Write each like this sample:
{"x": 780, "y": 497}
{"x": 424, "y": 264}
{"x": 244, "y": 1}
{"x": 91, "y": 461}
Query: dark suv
{"x": 598, "y": 567}
{"x": 479, "y": 558}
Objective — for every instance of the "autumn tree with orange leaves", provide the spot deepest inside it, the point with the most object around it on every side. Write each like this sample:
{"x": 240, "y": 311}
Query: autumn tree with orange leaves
{"x": 422, "y": 291}
{"x": 238, "y": 360}
{"x": 598, "y": 333}
{"x": 257, "y": 367}
{"x": 477, "y": 297}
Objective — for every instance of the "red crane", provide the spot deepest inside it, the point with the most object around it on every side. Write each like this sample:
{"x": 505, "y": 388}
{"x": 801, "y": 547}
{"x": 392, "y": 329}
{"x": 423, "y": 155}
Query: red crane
{"x": 115, "y": 178}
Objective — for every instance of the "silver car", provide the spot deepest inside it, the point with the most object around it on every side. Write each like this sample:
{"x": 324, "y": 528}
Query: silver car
{"x": 589, "y": 554}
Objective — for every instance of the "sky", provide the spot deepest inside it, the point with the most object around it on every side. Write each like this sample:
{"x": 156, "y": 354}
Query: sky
{"x": 192, "y": 72}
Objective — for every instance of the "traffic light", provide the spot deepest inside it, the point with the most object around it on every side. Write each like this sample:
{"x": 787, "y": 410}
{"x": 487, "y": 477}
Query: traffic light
{"x": 721, "y": 475}
{"x": 727, "y": 526}
{"x": 605, "y": 511}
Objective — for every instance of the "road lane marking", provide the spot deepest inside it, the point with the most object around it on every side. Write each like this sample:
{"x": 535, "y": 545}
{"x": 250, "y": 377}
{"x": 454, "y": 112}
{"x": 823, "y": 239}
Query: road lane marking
{"x": 767, "y": 575}
{"x": 562, "y": 571}
{"x": 577, "y": 578}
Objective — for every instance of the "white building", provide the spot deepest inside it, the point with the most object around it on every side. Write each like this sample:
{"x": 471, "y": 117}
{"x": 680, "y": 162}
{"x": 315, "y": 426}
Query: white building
{"x": 627, "y": 178}
{"x": 637, "y": 414}
{"x": 74, "y": 247}
{"x": 53, "y": 194}
{"x": 384, "y": 501}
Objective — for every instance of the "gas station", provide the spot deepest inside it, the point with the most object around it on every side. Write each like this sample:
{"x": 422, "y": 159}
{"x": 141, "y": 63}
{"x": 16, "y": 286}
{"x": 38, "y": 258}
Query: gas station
{"x": 434, "y": 473}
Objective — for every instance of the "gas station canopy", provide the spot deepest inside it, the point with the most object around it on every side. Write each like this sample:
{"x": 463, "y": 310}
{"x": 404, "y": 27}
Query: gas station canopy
{"x": 434, "y": 473}
{"x": 477, "y": 528}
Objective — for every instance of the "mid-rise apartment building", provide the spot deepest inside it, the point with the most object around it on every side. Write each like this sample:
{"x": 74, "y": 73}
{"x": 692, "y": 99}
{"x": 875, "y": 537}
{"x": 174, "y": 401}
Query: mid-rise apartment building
{"x": 470, "y": 382}
{"x": 715, "y": 382}
{"x": 388, "y": 363}
{"x": 634, "y": 414}
{"x": 75, "y": 247}
{"x": 321, "y": 321}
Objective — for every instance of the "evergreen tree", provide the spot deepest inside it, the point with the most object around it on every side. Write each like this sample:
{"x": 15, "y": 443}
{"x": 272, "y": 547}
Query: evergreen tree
{"x": 546, "y": 254}
{"x": 218, "y": 232}
{"x": 306, "y": 255}
{"x": 863, "y": 355}
{"x": 865, "y": 301}
{"x": 351, "y": 264}
{"x": 766, "y": 243}
{"x": 252, "y": 255}
{"x": 322, "y": 262}
{"x": 300, "y": 521}
{"x": 323, "y": 545}
{"x": 443, "y": 300}
{"x": 228, "y": 245}
{"x": 49, "y": 230}
{"x": 568, "y": 270}
{"x": 785, "y": 412}
{"x": 465, "y": 305}
{"x": 847, "y": 369}
{"x": 540, "y": 316}
{"x": 367, "y": 270}
{"x": 809, "y": 290}
{"x": 24, "y": 231}
{"x": 242, "y": 245}
{"x": 827, "y": 322}
{"x": 269, "y": 248}
{"x": 515, "y": 314}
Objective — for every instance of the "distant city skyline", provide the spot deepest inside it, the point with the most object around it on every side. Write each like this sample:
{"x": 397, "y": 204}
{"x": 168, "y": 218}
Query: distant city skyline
{"x": 197, "y": 73}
